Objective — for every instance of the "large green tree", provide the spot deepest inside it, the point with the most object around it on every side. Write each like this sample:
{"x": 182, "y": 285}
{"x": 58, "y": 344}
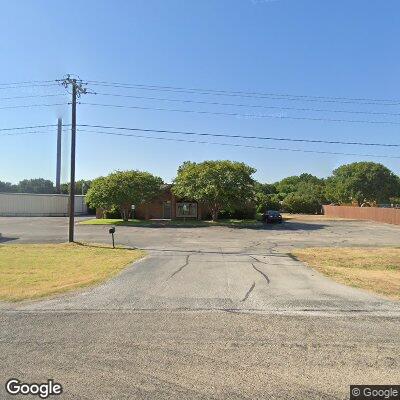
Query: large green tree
{"x": 81, "y": 187}
{"x": 266, "y": 197}
{"x": 38, "y": 185}
{"x": 304, "y": 193}
{"x": 362, "y": 181}
{"x": 122, "y": 189}
{"x": 298, "y": 202}
{"x": 7, "y": 187}
{"x": 220, "y": 185}
{"x": 301, "y": 183}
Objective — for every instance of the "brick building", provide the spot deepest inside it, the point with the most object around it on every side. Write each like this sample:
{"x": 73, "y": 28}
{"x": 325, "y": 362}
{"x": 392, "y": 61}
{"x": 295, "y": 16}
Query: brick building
{"x": 167, "y": 206}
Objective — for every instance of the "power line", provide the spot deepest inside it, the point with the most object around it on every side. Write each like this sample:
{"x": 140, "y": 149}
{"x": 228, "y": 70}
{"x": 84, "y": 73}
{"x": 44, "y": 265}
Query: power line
{"x": 239, "y": 145}
{"x": 26, "y": 133}
{"x": 27, "y": 127}
{"x": 201, "y": 142}
{"x": 242, "y": 136}
{"x": 26, "y": 82}
{"x": 276, "y": 96}
{"x": 31, "y": 96}
{"x": 33, "y": 105}
{"x": 245, "y": 105}
{"x": 28, "y": 86}
{"x": 17, "y": 133}
{"x": 272, "y": 138}
{"x": 230, "y": 114}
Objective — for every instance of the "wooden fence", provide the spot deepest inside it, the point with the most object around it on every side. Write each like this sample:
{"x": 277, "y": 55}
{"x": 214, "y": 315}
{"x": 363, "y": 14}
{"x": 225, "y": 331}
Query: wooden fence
{"x": 387, "y": 215}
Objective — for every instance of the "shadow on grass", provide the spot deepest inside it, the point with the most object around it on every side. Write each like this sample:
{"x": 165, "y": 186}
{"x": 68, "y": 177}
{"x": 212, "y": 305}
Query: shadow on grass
{"x": 104, "y": 246}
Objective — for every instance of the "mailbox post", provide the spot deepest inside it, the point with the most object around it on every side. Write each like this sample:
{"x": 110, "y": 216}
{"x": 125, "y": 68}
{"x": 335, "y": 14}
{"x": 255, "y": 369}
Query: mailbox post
{"x": 112, "y": 231}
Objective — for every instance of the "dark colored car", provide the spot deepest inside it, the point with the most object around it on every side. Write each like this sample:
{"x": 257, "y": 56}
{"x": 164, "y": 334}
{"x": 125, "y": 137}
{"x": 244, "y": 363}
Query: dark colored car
{"x": 272, "y": 216}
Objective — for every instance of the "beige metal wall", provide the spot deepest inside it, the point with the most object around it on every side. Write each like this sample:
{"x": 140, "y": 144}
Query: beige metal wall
{"x": 387, "y": 215}
{"x": 28, "y": 204}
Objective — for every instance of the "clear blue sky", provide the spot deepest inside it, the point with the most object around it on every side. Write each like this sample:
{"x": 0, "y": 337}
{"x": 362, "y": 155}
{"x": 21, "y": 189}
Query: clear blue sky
{"x": 341, "y": 48}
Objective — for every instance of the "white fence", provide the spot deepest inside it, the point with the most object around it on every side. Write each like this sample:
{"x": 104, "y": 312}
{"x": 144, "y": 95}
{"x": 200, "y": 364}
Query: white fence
{"x": 39, "y": 205}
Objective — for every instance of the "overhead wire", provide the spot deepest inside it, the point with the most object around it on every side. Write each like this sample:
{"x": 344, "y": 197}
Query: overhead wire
{"x": 235, "y": 114}
{"x": 236, "y": 136}
{"x": 240, "y": 145}
{"x": 275, "y": 96}
{"x": 32, "y": 96}
{"x": 33, "y": 105}
{"x": 243, "y": 105}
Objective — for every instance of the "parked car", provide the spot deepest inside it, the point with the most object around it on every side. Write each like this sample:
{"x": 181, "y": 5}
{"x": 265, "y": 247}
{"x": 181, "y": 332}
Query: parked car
{"x": 272, "y": 216}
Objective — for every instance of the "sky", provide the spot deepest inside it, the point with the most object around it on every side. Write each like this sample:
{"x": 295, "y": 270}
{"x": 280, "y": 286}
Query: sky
{"x": 314, "y": 51}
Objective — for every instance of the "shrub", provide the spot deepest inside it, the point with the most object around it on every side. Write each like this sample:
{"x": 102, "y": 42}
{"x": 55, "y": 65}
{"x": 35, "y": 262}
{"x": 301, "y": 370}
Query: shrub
{"x": 240, "y": 213}
{"x": 301, "y": 203}
{"x": 268, "y": 202}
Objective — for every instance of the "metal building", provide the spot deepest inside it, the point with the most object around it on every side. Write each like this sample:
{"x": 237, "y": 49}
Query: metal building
{"x": 39, "y": 205}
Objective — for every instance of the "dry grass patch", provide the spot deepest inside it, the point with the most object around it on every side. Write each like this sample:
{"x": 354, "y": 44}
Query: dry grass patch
{"x": 373, "y": 269}
{"x": 29, "y": 271}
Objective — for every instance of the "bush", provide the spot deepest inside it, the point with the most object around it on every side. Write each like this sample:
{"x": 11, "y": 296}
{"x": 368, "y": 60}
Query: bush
{"x": 268, "y": 202}
{"x": 240, "y": 213}
{"x": 112, "y": 213}
{"x": 301, "y": 203}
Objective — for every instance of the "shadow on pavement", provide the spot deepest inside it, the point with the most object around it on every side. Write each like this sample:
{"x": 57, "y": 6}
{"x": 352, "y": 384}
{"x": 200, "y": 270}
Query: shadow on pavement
{"x": 4, "y": 239}
{"x": 293, "y": 226}
{"x": 290, "y": 225}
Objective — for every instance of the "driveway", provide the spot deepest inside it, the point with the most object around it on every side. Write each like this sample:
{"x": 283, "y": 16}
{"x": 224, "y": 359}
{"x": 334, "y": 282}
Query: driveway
{"x": 212, "y": 312}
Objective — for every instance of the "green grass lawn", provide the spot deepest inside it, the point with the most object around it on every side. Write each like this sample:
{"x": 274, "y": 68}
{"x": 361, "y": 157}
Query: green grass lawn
{"x": 29, "y": 271}
{"x": 174, "y": 223}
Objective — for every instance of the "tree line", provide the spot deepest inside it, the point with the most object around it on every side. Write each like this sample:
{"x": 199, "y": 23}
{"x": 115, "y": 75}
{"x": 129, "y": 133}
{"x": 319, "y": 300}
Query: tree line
{"x": 359, "y": 183}
{"x": 228, "y": 189}
{"x": 43, "y": 186}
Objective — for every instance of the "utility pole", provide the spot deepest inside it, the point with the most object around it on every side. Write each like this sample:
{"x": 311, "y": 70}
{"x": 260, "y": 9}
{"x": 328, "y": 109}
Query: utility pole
{"x": 77, "y": 90}
{"x": 58, "y": 167}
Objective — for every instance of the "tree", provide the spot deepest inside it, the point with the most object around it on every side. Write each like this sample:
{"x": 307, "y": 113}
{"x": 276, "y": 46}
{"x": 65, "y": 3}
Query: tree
{"x": 266, "y": 197}
{"x": 362, "y": 181}
{"x": 7, "y": 187}
{"x": 293, "y": 184}
{"x": 122, "y": 189}
{"x": 297, "y": 202}
{"x": 81, "y": 187}
{"x": 265, "y": 188}
{"x": 217, "y": 184}
{"x": 38, "y": 185}
{"x": 304, "y": 193}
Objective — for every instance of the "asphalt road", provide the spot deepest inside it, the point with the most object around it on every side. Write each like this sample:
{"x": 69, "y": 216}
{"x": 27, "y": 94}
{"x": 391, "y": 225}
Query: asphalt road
{"x": 216, "y": 312}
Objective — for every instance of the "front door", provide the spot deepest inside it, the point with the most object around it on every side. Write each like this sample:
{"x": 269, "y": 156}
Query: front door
{"x": 167, "y": 210}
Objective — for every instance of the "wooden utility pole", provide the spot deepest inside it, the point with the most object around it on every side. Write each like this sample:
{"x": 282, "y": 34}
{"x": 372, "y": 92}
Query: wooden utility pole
{"x": 77, "y": 90}
{"x": 58, "y": 167}
{"x": 72, "y": 180}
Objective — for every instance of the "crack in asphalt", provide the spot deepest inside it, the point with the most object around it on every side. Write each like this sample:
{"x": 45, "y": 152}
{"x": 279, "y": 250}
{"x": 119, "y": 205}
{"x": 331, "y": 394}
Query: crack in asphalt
{"x": 256, "y": 259}
{"x": 262, "y": 273}
{"x": 180, "y": 268}
{"x": 249, "y": 291}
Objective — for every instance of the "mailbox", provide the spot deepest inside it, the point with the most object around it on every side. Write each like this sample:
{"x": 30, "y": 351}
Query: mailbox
{"x": 112, "y": 231}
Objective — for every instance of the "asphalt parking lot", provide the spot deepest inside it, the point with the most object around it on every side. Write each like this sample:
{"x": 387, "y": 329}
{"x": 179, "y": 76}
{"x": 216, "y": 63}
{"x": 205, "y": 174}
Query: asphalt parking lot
{"x": 212, "y": 312}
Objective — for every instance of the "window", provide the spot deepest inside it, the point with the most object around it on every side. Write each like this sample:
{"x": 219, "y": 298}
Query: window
{"x": 187, "y": 210}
